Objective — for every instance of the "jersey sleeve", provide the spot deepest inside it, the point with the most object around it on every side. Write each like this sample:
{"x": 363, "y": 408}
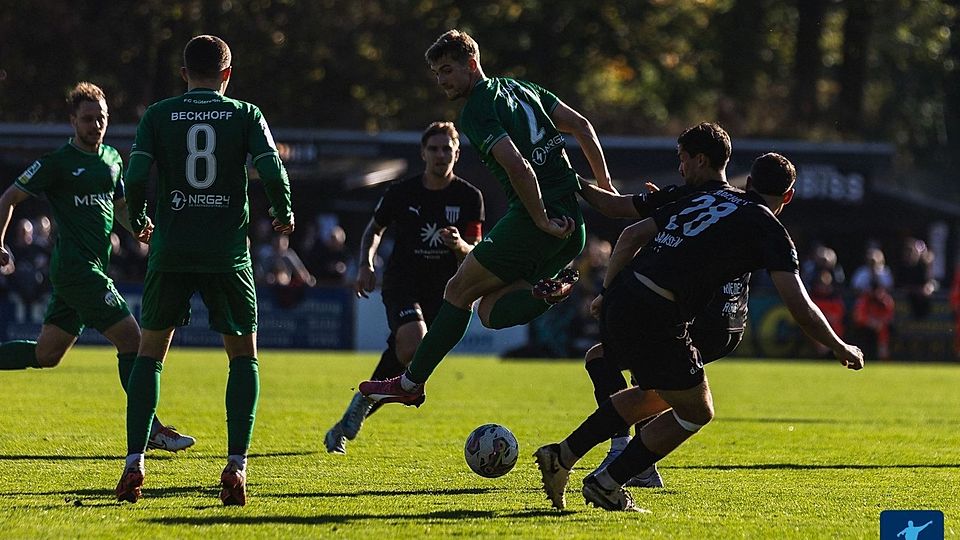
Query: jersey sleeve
{"x": 779, "y": 253}
{"x": 647, "y": 203}
{"x": 386, "y": 208}
{"x": 480, "y": 123}
{"x": 548, "y": 99}
{"x": 38, "y": 177}
{"x": 260, "y": 142}
{"x": 477, "y": 212}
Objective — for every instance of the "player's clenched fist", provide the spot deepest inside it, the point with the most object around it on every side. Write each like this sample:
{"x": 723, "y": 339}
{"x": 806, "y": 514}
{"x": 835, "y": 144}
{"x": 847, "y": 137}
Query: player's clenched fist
{"x": 366, "y": 281}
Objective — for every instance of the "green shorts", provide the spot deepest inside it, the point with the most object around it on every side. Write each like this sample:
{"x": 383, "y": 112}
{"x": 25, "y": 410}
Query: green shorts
{"x": 517, "y": 249}
{"x": 230, "y": 297}
{"x": 93, "y": 302}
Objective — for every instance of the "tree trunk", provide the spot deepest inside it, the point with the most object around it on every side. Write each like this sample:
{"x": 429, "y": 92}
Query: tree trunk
{"x": 853, "y": 72}
{"x": 807, "y": 61}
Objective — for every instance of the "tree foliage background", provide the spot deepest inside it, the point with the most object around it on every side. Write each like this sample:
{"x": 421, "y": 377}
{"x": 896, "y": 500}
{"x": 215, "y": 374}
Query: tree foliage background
{"x": 882, "y": 70}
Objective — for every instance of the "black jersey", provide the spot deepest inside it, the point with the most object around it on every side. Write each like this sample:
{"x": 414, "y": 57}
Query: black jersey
{"x": 729, "y": 306}
{"x": 708, "y": 239}
{"x": 419, "y": 258}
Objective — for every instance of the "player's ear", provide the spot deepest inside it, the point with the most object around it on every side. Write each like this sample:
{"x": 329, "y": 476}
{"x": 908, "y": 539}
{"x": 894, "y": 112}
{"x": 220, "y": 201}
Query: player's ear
{"x": 788, "y": 196}
{"x": 473, "y": 64}
{"x": 183, "y": 74}
{"x": 225, "y": 74}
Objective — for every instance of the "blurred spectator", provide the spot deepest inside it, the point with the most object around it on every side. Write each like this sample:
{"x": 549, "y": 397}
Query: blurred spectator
{"x": 592, "y": 265}
{"x": 43, "y": 233}
{"x": 328, "y": 259}
{"x": 874, "y": 269}
{"x": 127, "y": 259}
{"x": 955, "y": 304}
{"x": 915, "y": 276}
{"x": 280, "y": 265}
{"x": 872, "y": 315}
{"x": 826, "y": 295}
{"x": 29, "y": 280}
{"x": 821, "y": 259}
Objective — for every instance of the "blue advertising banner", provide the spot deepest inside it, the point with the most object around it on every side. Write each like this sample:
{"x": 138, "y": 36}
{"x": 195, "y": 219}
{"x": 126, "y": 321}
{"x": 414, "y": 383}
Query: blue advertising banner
{"x": 306, "y": 318}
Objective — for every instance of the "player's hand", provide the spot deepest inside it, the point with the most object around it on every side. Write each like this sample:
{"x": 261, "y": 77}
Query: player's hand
{"x": 366, "y": 281}
{"x": 559, "y": 227}
{"x": 595, "y": 306}
{"x": 281, "y": 227}
{"x": 450, "y": 236}
{"x": 850, "y": 356}
{"x": 147, "y": 233}
{"x": 4, "y": 256}
{"x": 651, "y": 187}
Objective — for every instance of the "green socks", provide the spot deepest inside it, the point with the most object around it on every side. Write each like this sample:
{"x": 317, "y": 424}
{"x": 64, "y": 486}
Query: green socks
{"x": 243, "y": 391}
{"x": 447, "y": 330}
{"x": 18, "y": 354}
{"x": 125, "y": 367}
{"x": 516, "y": 307}
{"x": 143, "y": 393}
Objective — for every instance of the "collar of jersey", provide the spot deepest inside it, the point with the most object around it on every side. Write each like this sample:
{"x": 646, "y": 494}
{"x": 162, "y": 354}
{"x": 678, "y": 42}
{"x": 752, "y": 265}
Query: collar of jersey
{"x": 82, "y": 151}
{"x": 203, "y": 91}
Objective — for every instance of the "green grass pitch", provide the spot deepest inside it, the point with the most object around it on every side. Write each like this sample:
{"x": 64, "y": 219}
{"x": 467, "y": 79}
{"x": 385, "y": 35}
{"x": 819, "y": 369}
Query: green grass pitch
{"x": 797, "y": 450}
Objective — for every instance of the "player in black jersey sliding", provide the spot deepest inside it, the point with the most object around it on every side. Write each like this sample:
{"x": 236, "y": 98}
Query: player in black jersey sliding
{"x": 438, "y": 219}
{"x": 690, "y": 249}
{"x": 703, "y": 151}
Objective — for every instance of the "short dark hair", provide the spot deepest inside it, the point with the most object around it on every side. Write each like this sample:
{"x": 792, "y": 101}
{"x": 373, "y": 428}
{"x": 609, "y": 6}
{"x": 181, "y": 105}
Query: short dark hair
{"x": 772, "y": 174}
{"x": 84, "y": 91}
{"x": 708, "y": 139}
{"x": 440, "y": 128}
{"x": 206, "y": 56}
{"x": 456, "y": 44}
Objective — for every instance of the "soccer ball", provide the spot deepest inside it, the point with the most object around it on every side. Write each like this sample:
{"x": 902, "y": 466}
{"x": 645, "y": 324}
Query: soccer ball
{"x": 491, "y": 450}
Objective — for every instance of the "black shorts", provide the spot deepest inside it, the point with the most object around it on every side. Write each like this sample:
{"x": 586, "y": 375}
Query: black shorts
{"x": 715, "y": 343}
{"x": 646, "y": 333}
{"x": 405, "y": 305}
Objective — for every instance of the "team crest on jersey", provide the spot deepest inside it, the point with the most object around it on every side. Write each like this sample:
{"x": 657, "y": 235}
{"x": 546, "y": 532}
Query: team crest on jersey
{"x": 430, "y": 234}
{"x": 28, "y": 174}
{"x": 453, "y": 213}
{"x": 111, "y": 299}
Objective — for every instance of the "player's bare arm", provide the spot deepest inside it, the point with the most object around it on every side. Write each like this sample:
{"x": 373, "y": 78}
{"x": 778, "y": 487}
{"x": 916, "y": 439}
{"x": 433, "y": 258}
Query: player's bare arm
{"x": 570, "y": 121}
{"x": 811, "y": 319}
{"x": 10, "y": 198}
{"x": 608, "y": 203}
{"x": 524, "y": 182}
{"x": 366, "y": 280}
{"x": 631, "y": 240}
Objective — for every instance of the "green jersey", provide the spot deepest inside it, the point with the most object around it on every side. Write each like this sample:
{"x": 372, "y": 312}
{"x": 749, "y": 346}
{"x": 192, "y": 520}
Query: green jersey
{"x": 502, "y": 107}
{"x": 200, "y": 142}
{"x": 80, "y": 187}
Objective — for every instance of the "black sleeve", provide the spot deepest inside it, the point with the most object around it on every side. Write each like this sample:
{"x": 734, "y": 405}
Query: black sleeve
{"x": 386, "y": 209}
{"x": 779, "y": 253}
{"x": 647, "y": 203}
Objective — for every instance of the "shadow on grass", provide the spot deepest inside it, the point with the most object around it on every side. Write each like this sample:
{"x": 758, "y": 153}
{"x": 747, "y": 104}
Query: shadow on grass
{"x": 323, "y": 519}
{"x": 78, "y": 494}
{"x": 861, "y": 421}
{"x": 387, "y": 493}
{"x": 152, "y": 455}
{"x": 816, "y": 466}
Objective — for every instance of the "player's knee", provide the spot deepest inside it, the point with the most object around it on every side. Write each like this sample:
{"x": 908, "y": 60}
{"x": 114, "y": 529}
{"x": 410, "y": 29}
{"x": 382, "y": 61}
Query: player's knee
{"x": 485, "y": 312}
{"x": 49, "y": 359}
{"x": 593, "y": 353}
{"x": 694, "y": 420}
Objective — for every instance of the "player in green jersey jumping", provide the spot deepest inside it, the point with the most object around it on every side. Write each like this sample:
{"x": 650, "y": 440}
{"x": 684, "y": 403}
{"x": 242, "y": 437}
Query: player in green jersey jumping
{"x": 200, "y": 142}
{"x": 517, "y": 127}
{"x": 83, "y": 182}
